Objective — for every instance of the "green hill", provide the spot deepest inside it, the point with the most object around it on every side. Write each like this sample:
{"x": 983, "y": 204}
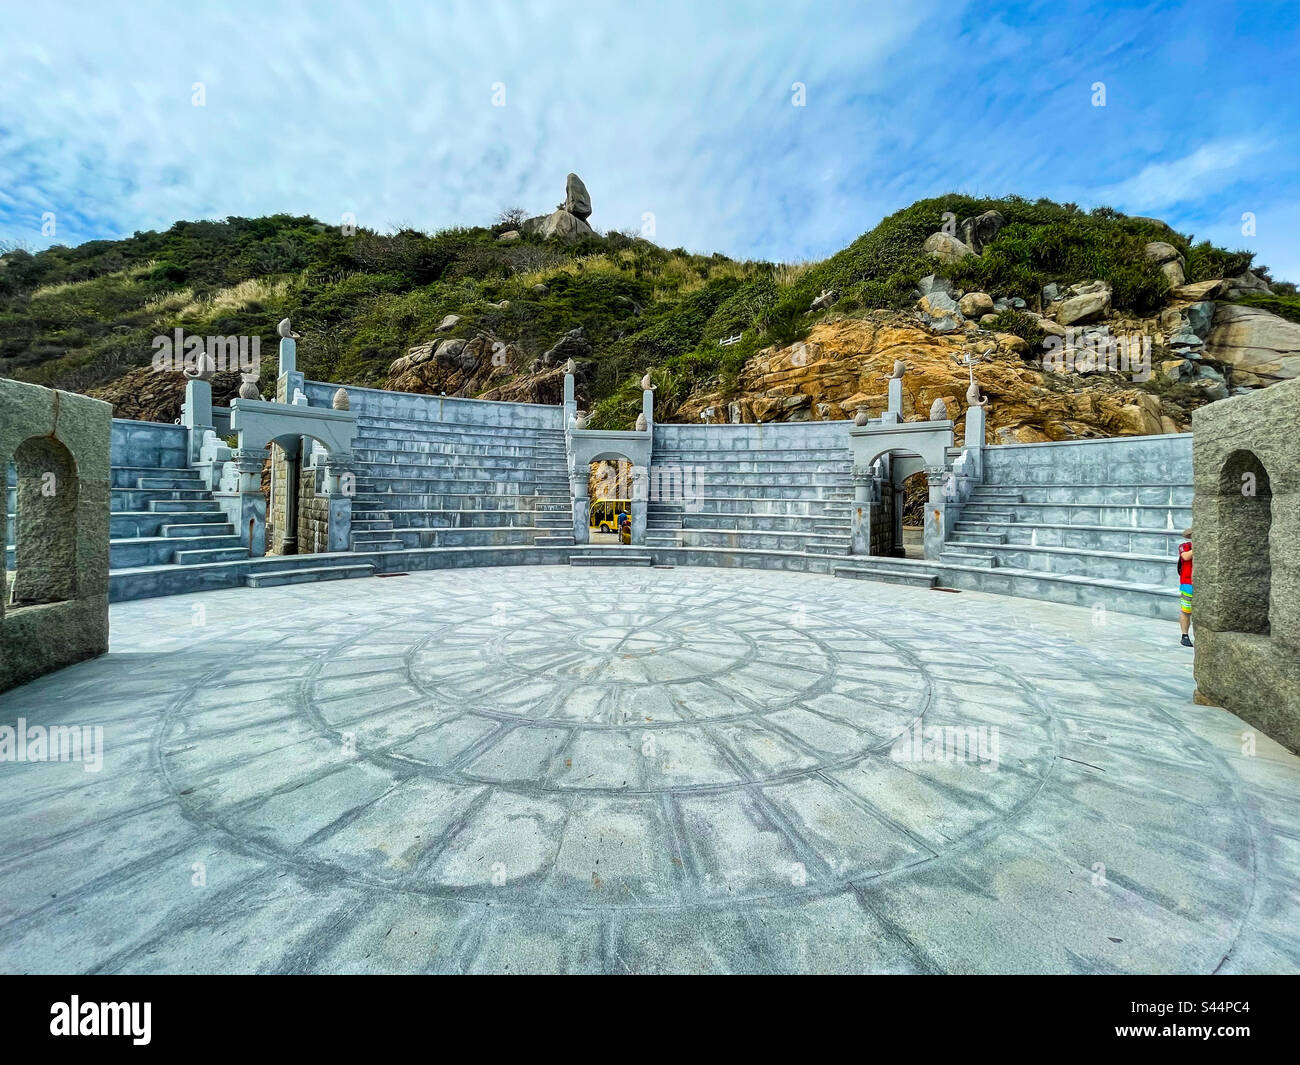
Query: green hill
{"x": 78, "y": 318}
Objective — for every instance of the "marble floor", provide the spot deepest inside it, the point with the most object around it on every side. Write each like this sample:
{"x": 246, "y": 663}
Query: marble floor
{"x": 642, "y": 770}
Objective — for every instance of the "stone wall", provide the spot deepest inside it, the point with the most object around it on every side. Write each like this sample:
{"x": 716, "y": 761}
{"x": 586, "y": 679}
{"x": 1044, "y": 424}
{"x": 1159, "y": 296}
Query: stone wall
{"x": 1246, "y": 543}
{"x": 1119, "y": 460}
{"x": 313, "y": 515}
{"x": 376, "y": 403}
{"x": 150, "y": 444}
{"x": 54, "y": 609}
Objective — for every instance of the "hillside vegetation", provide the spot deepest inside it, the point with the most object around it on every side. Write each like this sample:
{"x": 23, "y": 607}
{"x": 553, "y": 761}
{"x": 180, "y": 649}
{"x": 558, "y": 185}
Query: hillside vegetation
{"x": 78, "y": 318}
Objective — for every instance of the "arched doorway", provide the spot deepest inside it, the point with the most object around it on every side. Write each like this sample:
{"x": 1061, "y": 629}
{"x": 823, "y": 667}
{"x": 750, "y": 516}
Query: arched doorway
{"x": 609, "y": 491}
{"x": 897, "y": 492}
{"x": 1245, "y": 515}
{"x": 44, "y": 529}
{"x": 915, "y": 495}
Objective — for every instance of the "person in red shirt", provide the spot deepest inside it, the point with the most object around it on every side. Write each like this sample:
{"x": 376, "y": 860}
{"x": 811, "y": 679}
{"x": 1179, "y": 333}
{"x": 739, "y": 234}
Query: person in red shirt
{"x": 1185, "y": 585}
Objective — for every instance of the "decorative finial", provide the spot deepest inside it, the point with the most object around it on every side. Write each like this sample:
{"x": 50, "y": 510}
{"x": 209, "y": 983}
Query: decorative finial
{"x": 570, "y": 367}
{"x": 249, "y": 389}
{"x": 900, "y": 368}
{"x": 341, "y": 401}
{"x": 580, "y": 420}
{"x": 863, "y": 416}
{"x": 646, "y": 383}
{"x": 939, "y": 410}
{"x": 641, "y": 424}
{"x": 285, "y": 330}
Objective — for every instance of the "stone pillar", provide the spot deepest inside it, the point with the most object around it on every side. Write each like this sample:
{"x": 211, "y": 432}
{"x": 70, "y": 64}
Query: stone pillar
{"x": 896, "y": 396}
{"x": 288, "y": 356}
{"x": 241, "y": 499}
{"x": 570, "y": 402}
{"x": 640, "y": 496}
{"x": 578, "y": 491}
{"x": 339, "y": 486}
{"x": 936, "y": 512}
{"x": 860, "y": 523}
{"x": 648, "y": 407}
{"x": 196, "y": 414}
{"x": 974, "y": 444}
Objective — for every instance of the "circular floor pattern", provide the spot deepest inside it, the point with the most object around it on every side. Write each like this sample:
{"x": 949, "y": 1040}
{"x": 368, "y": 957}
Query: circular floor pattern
{"x": 687, "y": 770}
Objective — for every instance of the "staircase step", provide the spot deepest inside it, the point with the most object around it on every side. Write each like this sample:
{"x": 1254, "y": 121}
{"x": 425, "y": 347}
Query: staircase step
{"x": 889, "y": 574}
{"x": 198, "y": 556}
{"x": 184, "y": 532}
{"x": 553, "y": 541}
{"x": 952, "y": 557}
{"x": 308, "y": 575}
{"x": 611, "y": 558}
{"x": 359, "y": 544}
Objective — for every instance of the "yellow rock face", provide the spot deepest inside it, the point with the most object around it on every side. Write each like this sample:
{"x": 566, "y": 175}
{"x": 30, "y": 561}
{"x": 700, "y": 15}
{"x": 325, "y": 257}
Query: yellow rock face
{"x": 847, "y": 363}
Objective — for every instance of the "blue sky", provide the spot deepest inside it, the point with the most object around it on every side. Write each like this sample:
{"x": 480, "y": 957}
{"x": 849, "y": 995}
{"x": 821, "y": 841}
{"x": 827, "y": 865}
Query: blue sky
{"x": 683, "y": 111}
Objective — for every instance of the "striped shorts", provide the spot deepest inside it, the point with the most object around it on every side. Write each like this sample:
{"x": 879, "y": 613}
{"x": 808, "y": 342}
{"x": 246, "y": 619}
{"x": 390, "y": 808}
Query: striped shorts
{"x": 1186, "y": 591}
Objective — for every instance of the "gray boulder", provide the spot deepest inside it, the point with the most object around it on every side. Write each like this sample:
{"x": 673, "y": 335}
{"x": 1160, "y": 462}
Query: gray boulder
{"x": 978, "y": 232}
{"x": 450, "y": 322}
{"x": 976, "y": 304}
{"x": 934, "y": 283}
{"x": 576, "y": 199}
{"x": 1199, "y": 317}
{"x": 945, "y": 248}
{"x": 1245, "y": 284}
{"x": 1087, "y": 302}
{"x": 573, "y": 345}
{"x": 1259, "y": 346}
{"x": 562, "y": 225}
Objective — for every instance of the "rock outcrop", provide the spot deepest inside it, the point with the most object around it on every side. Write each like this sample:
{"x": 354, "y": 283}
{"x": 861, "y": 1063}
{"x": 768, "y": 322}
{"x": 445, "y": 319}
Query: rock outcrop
{"x": 573, "y": 345}
{"x": 568, "y": 222}
{"x": 148, "y": 396}
{"x": 455, "y": 366}
{"x": 847, "y": 363}
{"x": 1260, "y": 347}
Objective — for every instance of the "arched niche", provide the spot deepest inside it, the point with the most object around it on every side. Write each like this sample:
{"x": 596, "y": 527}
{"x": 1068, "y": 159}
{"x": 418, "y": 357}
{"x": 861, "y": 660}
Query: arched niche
{"x": 1244, "y": 505}
{"x": 45, "y": 529}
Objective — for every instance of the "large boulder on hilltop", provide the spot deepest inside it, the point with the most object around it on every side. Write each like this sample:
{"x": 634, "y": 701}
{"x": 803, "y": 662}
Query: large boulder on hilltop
{"x": 945, "y": 248}
{"x": 559, "y": 224}
{"x": 568, "y": 221}
{"x": 1087, "y": 302}
{"x": 978, "y": 232}
{"x": 1260, "y": 347}
{"x": 576, "y": 199}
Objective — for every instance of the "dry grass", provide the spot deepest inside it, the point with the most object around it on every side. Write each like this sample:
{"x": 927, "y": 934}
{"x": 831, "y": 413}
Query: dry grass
{"x": 237, "y": 298}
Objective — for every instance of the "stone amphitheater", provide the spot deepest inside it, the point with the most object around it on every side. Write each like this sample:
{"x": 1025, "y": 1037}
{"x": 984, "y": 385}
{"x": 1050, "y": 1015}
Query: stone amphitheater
{"x": 406, "y": 715}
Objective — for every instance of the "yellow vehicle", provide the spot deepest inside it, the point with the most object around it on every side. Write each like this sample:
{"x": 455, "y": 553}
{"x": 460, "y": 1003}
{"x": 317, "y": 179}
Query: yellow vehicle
{"x": 605, "y": 514}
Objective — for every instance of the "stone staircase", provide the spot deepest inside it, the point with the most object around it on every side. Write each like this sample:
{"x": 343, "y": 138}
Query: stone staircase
{"x": 431, "y": 485}
{"x": 771, "y": 499}
{"x": 166, "y": 534}
{"x": 1075, "y": 542}
{"x": 160, "y": 516}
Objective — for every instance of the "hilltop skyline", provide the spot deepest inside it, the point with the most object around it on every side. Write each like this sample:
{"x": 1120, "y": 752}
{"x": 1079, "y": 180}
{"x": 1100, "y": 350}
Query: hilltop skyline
{"x": 782, "y": 136}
